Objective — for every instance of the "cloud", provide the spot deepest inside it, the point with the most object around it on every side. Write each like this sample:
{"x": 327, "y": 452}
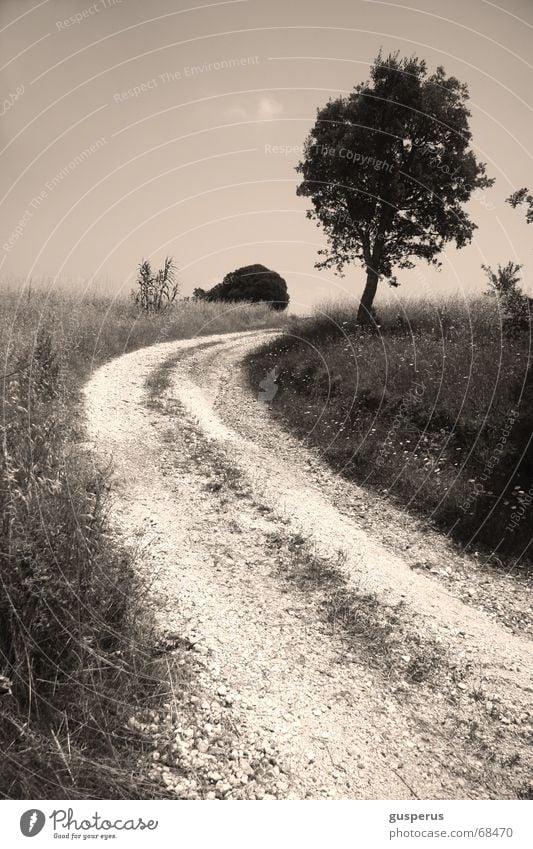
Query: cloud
{"x": 266, "y": 109}
{"x": 238, "y": 113}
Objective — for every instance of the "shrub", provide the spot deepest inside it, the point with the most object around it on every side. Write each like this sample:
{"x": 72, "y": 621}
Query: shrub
{"x": 253, "y": 283}
{"x": 513, "y": 304}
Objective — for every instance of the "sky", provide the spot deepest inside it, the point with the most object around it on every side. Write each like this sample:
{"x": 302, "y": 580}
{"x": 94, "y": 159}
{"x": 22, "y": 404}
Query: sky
{"x": 134, "y": 130}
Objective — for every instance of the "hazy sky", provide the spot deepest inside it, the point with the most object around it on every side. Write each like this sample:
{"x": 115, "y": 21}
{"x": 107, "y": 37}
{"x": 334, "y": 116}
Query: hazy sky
{"x": 176, "y": 152}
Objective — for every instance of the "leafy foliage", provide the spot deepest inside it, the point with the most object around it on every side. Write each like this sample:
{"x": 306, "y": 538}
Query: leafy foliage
{"x": 514, "y": 305}
{"x": 253, "y": 283}
{"x": 388, "y": 169}
{"x": 520, "y": 197}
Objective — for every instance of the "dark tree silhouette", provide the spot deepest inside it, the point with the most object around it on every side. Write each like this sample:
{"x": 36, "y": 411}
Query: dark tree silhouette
{"x": 199, "y": 294}
{"x": 250, "y": 283}
{"x": 520, "y": 197}
{"x": 388, "y": 169}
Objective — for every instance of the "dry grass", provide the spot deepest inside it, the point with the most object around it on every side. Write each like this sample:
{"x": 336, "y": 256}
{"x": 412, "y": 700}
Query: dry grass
{"x": 76, "y": 648}
{"x": 417, "y": 411}
{"x": 380, "y": 634}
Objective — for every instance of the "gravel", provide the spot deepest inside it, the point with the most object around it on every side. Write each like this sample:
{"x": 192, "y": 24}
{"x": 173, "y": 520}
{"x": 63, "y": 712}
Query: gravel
{"x": 277, "y": 705}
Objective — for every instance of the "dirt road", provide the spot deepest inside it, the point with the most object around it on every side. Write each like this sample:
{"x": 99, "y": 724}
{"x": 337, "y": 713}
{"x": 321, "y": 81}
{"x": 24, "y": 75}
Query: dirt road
{"x": 376, "y": 661}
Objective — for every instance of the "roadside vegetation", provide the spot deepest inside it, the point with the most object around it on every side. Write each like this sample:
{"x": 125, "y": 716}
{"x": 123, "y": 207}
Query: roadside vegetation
{"x": 252, "y": 283}
{"x": 428, "y": 402}
{"x": 78, "y": 655}
{"x": 431, "y": 409}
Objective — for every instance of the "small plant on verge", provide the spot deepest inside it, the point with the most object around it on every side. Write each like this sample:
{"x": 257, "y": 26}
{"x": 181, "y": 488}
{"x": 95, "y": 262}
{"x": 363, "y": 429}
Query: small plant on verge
{"x": 514, "y": 306}
{"x": 156, "y": 291}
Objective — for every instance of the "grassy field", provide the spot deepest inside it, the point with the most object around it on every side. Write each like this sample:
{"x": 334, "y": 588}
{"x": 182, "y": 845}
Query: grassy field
{"x": 76, "y": 648}
{"x": 433, "y": 410}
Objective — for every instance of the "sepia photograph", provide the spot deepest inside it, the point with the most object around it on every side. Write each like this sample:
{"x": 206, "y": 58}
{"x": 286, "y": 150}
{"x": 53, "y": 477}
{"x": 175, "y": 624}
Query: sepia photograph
{"x": 266, "y": 386}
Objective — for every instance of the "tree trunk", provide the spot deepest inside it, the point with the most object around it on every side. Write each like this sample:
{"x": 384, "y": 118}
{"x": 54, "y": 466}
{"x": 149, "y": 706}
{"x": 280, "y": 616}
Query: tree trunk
{"x": 364, "y": 315}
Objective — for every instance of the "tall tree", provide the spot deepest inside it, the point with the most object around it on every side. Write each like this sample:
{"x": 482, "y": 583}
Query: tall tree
{"x": 388, "y": 168}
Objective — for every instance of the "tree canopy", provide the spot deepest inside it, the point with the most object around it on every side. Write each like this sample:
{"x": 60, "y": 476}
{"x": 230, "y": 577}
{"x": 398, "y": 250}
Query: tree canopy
{"x": 388, "y": 169}
{"x": 522, "y": 196}
{"x": 254, "y": 283}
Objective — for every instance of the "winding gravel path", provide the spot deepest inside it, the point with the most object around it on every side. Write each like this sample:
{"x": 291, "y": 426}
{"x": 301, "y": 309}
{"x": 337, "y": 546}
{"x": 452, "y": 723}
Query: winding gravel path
{"x": 205, "y": 482}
